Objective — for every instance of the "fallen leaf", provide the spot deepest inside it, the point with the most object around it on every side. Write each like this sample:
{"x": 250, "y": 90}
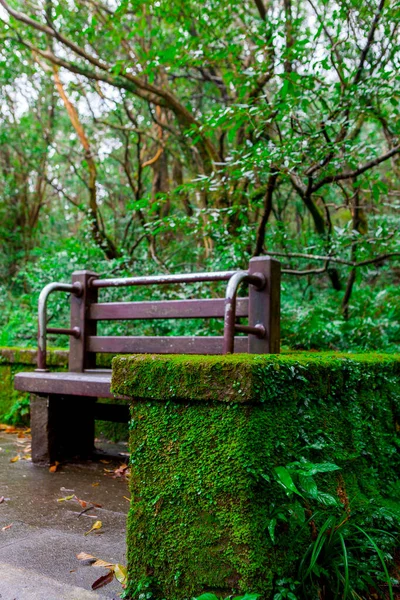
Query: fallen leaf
{"x": 96, "y": 525}
{"x": 122, "y": 468}
{"x": 54, "y": 467}
{"x": 2, "y": 500}
{"x": 103, "y": 563}
{"x": 121, "y": 574}
{"x": 85, "y": 503}
{"x": 85, "y": 556}
{"x": 11, "y": 429}
{"x": 65, "y": 498}
{"x": 104, "y": 580}
{"x": 126, "y": 498}
{"x": 27, "y": 457}
{"x": 7, "y": 526}
{"x": 105, "y": 462}
{"x": 95, "y": 484}
{"x": 15, "y": 458}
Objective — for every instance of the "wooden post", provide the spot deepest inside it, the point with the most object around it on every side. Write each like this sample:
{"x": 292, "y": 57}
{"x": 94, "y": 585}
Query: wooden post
{"x": 264, "y": 305}
{"x": 79, "y": 358}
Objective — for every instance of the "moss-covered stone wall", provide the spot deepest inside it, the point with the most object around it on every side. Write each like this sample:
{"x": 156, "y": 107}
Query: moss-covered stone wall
{"x": 15, "y": 360}
{"x": 14, "y": 405}
{"x": 206, "y": 436}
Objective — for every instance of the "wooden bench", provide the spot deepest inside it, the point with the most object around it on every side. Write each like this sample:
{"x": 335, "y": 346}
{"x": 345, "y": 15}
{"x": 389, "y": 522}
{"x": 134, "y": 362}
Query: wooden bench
{"x": 64, "y": 405}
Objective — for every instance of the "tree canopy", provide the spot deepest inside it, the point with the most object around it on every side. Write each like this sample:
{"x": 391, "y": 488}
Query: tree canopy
{"x": 171, "y": 135}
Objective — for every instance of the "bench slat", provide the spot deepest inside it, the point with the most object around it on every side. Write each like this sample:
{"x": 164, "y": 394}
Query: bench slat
{"x": 95, "y": 385}
{"x": 162, "y": 345}
{"x": 169, "y": 309}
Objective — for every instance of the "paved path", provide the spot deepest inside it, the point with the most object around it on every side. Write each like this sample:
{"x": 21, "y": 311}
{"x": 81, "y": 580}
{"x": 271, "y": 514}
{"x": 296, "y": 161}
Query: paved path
{"x": 38, "y": 552}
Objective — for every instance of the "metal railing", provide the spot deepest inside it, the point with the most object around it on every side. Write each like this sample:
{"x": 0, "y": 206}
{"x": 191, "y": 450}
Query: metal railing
{"x": 84, "y": 296}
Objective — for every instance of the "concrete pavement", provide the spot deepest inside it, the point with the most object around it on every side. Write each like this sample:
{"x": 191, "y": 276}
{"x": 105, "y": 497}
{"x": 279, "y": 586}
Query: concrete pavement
{"x": 38, "y": 551}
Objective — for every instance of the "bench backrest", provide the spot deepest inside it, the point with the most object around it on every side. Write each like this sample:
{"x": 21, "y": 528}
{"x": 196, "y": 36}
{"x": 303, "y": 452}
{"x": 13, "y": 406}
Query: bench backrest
{"x": 261, "y": 307}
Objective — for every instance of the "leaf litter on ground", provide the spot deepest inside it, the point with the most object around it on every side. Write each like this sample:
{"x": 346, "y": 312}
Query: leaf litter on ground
{"x": 23, "y": 443}
{"x": 114, "y": 570}
{"x": 122, "y": 471}
{"x": 95, "y": 527}
{"x": 53, "y": 468}
{"x": 86, "y": 505}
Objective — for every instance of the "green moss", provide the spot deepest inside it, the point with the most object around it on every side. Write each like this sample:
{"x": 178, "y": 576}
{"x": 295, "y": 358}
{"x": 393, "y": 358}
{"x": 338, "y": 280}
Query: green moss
{"x": 16, "y": 360}
{"x": 233, "y": 378}
{"x": 206, "y": 434}
{"x": 56, "y": 357}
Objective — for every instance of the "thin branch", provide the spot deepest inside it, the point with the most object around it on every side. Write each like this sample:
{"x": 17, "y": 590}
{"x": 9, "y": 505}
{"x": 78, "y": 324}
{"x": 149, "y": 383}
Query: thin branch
{"x": 306, "y": 271}
{"x": 356, "y": 172}
{"x": 369, "y": 42}
{"x": 335, "y": 259}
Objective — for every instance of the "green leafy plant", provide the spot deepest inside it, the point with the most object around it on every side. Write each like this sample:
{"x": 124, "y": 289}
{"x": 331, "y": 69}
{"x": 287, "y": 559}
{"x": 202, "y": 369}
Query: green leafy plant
{"x": 19, "y": 412}
{"x": 297, "y": 479}
{"x": 347, "y": 555}
{"x": 286, "y": 588}
{"x": 345, "y": 560}
{"x": 208, "y": 596}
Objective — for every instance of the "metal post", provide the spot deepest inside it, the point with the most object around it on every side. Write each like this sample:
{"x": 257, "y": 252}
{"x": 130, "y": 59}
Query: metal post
{"x": 42, "y": 319}
{"x": 264, "y": 306}
{"x": 79, "y": 359}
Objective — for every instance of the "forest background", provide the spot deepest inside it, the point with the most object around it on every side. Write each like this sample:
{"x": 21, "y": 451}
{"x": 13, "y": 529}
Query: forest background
{"x": 170, "y": 136}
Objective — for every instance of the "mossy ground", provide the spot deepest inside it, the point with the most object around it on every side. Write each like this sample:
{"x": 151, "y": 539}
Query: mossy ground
{"x": 206, "y": 434}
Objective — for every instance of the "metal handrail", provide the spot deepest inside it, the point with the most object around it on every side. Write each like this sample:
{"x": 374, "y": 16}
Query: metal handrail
{"x": 256, "y": 279}
{"x": 163, "y": 279}
{"x": 234, "y": 278}
{"x": 73, "y": 288}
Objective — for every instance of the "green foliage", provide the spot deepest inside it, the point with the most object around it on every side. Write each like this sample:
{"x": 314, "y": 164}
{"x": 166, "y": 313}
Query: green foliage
{"x": 347, "y": 556}
{"x": 214, "y": 597}
{"x": 19, "y": 413}
{"x": 345, "y": 559}
{"x": 215, "y": 132}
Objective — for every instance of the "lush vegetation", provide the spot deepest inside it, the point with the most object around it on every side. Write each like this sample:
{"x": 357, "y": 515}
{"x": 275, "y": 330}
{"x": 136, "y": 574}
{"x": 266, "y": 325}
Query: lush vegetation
{"x": 139, "y": 137}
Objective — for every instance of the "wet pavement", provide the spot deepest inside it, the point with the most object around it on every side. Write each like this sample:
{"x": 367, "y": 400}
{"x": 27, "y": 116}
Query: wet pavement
{"x": 41, "y": 536}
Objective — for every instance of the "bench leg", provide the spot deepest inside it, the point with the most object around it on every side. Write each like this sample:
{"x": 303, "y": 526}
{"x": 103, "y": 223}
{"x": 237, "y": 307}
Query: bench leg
{"x": 62, "y": 428}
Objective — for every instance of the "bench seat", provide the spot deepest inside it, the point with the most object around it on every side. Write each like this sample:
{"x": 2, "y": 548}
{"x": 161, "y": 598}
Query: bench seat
{"x": 92, "y": 383}
{"x": 64, "y": 409}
